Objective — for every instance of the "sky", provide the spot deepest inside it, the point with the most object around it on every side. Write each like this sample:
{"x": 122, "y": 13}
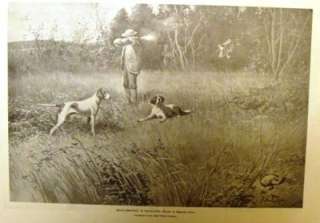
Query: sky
{"x": 59, "y": 21}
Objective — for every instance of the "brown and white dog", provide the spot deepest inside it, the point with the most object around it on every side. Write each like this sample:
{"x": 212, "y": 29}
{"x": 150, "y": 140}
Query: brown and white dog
{"x": 163, "y": 111}
{"x": 88, "y": 107}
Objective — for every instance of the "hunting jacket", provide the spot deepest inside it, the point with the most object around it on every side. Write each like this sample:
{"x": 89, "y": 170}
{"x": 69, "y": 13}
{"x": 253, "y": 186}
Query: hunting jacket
{"x": 131, "y": 56}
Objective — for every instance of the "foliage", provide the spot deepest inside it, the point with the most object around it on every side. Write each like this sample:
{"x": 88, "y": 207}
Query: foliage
{"x": 286, "y": 46}
{"x": 270, "y": 40}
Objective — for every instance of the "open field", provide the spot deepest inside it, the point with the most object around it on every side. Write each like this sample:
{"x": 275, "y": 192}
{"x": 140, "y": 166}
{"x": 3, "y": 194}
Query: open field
{"x": 244, "y": 126}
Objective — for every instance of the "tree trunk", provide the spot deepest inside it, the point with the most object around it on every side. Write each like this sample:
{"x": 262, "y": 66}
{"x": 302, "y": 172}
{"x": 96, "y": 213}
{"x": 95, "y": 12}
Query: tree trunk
{"x": 181, "y": 56}
{"x": 280, "y": 39}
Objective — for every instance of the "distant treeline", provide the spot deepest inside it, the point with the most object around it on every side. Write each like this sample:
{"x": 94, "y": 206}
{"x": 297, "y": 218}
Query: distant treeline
{"x": 276, "y": 41}
{"x": 49, "y": 55}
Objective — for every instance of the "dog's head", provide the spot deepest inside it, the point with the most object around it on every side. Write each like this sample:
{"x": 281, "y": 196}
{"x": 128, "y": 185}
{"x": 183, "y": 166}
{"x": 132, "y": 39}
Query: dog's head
{"x": 103, "y": 94}
{"x": 157, "y": 100}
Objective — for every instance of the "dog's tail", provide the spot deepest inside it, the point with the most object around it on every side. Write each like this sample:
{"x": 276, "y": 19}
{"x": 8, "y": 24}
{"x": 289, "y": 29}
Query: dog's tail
{"x": 52, "y": 105}
{"x": 184, "y": 112}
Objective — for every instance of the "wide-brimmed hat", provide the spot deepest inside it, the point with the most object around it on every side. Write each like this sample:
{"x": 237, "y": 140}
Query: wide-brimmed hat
{"x": 129, "y": 33}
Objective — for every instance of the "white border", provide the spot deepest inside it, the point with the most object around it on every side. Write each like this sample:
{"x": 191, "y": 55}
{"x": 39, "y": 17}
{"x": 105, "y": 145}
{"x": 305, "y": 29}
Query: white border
{"x": 26, "y": 212}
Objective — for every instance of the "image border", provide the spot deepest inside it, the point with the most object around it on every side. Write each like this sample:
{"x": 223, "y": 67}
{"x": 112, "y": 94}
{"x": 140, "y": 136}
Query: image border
{"x": 43, "y": 212}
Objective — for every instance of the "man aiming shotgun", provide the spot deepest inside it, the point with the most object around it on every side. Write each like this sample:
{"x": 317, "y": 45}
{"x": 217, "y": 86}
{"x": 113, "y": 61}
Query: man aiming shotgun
{"x": 131, "y": 60}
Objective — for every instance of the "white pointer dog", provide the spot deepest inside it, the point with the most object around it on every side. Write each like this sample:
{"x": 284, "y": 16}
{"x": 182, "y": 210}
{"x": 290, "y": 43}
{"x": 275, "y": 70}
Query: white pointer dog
{"x": 163, "y": 111}
{"x": 88, "y": 107}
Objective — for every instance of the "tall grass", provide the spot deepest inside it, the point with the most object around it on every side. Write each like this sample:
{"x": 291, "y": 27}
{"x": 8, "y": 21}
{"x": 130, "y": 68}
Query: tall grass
{"x": 243, "y": 126}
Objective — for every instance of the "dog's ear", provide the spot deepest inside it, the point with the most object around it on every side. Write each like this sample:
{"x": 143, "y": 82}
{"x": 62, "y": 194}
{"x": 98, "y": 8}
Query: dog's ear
{"x": 100, "y": 93}
{"x": 161, "y": 99}
{"x": 153, "y": 100}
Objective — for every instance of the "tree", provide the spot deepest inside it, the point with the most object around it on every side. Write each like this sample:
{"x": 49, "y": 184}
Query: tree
{"x": 285, "y": 36}
{"x": 183, "y": 27}
{"x": 101, "y": 26}
{"x": 141, "y": 18}
{"x": 119, "y": 24}
{"x": 38, "y": 34}
{"x": 144, "y": 21}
